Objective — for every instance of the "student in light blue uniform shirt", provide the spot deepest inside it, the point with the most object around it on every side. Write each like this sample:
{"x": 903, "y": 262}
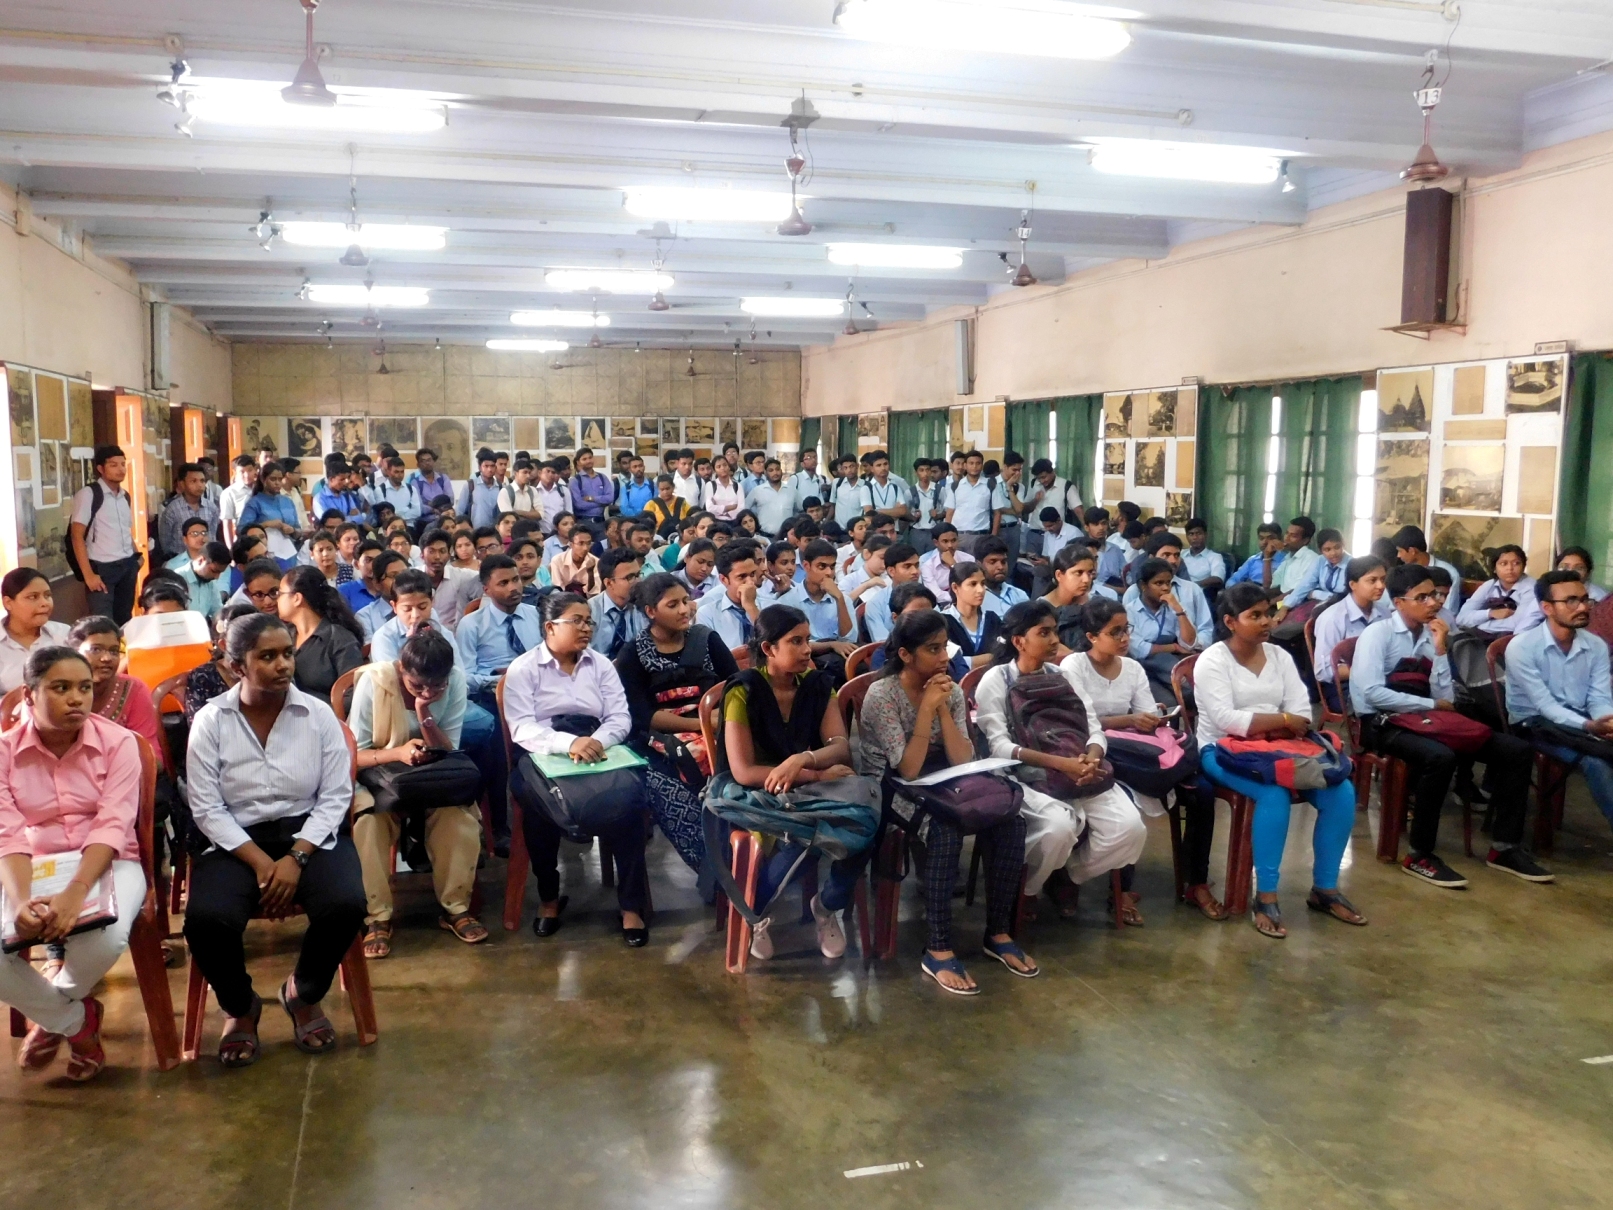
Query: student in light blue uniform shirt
{"x": 1001, "y": 595}
{"x": 901, "y": 567}
{"x": 732, "y": 610}
{"x": 617, "y": 621}
{"x": 1262, "y": 566}
{"x": 1162, "y": 630}
{"x": 1202, "y": 565}
{"x": 1326, "y": 575}
{"x": 490, "y": 639}
{"x": 1411, "y": 545}
{"x": 1358, "y": 609}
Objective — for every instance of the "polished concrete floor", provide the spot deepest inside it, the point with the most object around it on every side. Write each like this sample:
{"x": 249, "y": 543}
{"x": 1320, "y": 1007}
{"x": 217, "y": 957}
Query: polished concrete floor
{"x": 1434, "y": 1058}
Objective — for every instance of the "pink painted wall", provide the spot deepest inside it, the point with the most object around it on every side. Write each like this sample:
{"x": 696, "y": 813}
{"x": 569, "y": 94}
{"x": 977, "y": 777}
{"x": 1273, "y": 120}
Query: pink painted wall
{"x": 1269, "y": 303}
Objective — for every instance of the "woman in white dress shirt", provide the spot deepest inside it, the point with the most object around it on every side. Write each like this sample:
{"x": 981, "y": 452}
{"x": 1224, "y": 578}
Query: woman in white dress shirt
{"x": 548, "y": 693}
{"x": 1118, "y": 687}
{"x": 25, "y": 594}
{"x": 1114, "y": 834}
{"x": 1246, "y": 687}
{"x": 721, "y": 496}
{"x": 271, "y": 783}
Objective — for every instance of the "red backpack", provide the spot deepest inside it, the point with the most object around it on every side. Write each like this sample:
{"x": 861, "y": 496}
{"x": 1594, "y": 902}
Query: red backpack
{"x": 1046, "y": 714}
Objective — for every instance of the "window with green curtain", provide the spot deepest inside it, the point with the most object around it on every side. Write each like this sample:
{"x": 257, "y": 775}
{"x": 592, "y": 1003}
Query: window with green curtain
{"x": 1234, "y": 432}
{"x": 811, "y": 431}
{"x": 1316, "y": 474}
{"x": 915, "y": 435}
{"x": 1026, "y": 430}
{"x": 1080, "y": 420}
{"x": 847, "y": 439}
{"x": 1584, "y": 498}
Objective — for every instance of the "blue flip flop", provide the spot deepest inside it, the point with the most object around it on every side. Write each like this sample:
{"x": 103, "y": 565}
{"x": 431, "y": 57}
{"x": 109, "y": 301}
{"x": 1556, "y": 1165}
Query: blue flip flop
{"x": 1005, "y": 949}
{"x": 933, "y": 967}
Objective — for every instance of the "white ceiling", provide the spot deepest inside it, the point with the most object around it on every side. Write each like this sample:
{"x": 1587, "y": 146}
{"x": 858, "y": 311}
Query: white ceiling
{"x": 555, "y": 108}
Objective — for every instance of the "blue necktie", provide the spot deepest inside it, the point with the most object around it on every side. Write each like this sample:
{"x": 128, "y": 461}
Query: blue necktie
{"x": 517, "y": 647}
{"x": 745, "y": 626}
{"x": 619, "y": 635}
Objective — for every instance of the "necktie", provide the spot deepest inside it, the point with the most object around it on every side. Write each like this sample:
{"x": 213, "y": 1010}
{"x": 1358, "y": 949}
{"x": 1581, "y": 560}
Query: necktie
{"x": 517, "y": 647}
{"x": 619, "y": 635}
{"x": 745, "y": 625}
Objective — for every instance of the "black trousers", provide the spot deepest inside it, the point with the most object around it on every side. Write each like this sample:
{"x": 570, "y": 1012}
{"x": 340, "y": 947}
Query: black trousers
{"x": 119, "y": 576}
{"x": 626, "y": 842}
{"x": 1507, "y": 759}
{"x": 1197, "y": 800}
{"x": 224, "y": 897}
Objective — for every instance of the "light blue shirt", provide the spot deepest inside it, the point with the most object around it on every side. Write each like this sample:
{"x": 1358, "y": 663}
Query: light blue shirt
{"x": 402, "y": 498}
{"x": 206, "y": 596}
{"x": 1340, "y": 622}
{"x": 374, "y": 616}
{"x": 1001, "y": 600}
{"x": 877, "y": 614}
{"x": 1567, "y": 688}
{"x": 1250, "y": 571}
{"x": 1476, "y": 613}
{"x": 823, "y": 616}
{"x": 479, "y": 501}
{"x": 483, "y": 639}
{"x": 1116, "y": 556}
{"x": 1322, "y": 581}
{"x": 884, "y": 497}
{"x": 726, "y": 618}
{"x": 1194, "y": 603}
{"x": 1160, "y": 625}
{"x": 388, "y": 641}
{"x": 1378, "y": 651}
{"x": 261, "y": 506}
{"x": 1454, "y": 601}
{"x": 605, "y": 613}
{"x": 448, "y": 711}
{"x": 1206, "y": 565}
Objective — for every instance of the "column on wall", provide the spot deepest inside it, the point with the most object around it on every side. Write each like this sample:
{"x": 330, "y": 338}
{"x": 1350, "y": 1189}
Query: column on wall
{"x": 1585, "y": 498}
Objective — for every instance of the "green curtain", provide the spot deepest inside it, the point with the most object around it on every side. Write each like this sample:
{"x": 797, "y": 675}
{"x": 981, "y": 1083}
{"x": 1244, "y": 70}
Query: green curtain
{"x": 1234, "y": 432}
{"x": 1080, "y": 423}
{"x": 1316, "y": 474}
{"x": 915, "y": 435}
{"x": 847, "y": 440}
{"x": 1026, "y": 429}
{"x": 1584, "y": 498}
{"x": 811, "y": 432}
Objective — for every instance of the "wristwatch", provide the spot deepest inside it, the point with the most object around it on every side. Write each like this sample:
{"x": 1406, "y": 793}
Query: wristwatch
{"x": 300, "y": 858}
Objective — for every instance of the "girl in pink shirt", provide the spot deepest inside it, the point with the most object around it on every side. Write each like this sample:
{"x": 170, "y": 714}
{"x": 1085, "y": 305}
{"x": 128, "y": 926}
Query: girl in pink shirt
{"x": 69, "y": 783}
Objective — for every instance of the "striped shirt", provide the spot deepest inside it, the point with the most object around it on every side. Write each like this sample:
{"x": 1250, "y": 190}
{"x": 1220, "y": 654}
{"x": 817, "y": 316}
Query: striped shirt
{"x": 236, "y": 782}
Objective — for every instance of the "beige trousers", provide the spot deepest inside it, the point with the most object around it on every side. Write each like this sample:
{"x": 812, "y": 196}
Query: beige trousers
{"x": 453, "y": 842}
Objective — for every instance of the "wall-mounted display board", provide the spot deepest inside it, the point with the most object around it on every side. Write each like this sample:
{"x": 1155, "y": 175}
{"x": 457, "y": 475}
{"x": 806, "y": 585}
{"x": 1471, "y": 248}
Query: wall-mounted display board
{"x": 47, "y": 443}
{"x": 1146, "y": 451}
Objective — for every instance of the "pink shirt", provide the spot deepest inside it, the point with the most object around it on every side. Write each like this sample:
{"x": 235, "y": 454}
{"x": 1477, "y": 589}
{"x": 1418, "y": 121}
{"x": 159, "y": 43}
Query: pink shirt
{"x": 90, "y": 796}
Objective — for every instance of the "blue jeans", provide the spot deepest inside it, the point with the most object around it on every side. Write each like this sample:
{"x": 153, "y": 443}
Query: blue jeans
{"x": 836, "y": 891}
{"x": 1598, "y": 773}
{"x": 1335, "y": 818}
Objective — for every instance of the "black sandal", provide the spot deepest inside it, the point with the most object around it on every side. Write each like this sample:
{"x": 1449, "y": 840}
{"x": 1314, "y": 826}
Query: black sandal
{"x": 315, "y": 1038}
{"x": 1330, "y": 901}
{"x": 1268, "y": 919}
{"x": 250, "y": 1046}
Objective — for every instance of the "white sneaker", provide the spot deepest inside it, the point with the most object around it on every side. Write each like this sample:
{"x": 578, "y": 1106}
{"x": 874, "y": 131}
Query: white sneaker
{"x": 831, "y": 937}
{"x": 761, "y": 944}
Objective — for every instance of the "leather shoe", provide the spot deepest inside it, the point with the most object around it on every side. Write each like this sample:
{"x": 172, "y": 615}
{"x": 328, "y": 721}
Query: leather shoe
{"x": 636, "y": 938}
{"x": 548, "y": 926}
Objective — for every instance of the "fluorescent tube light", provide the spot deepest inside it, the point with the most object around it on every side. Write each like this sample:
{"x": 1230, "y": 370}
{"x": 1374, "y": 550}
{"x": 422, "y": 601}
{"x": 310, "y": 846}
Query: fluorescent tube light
{"x": 895, "y": 256}
{"x": 559, "y": 319}
{"x": 528, "y": 346}
{"x": 363, "y": 111}
{"x": 609, "y": 281}
{"x": 369, "y": 296}
{"x": 673, "y": 204}
{"x": 1014, "y": 27}
{"x": 1218, "y": 163}
{"x": 402, "y": 237}
{"x": 793, "y": 308}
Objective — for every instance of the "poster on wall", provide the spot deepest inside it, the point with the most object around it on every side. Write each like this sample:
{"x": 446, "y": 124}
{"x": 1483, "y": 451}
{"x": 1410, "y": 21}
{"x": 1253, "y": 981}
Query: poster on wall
{"x": 1401, "y": 487}
{"x": 528, "y": 433}
{"x": 1178, "y": 509}
{"x": 305, "y": 438}
{"x": 1534, "y": 386}
{"x": 1467, "y": 393}
{"x": 80, "y": 415}
{"x": 559, "y": 436}
{"x": 450, "y": 438}
{"x": 700, "y": 432}
{"x": 402, "y": 433}
{"x": 22, "y": 407}
{"x": 347, "y": 436}
{"x": 754, "y": 432}
{"x": 1117, "y": 415}
{"x": 1161, "y": 414}
{"x": 50, "y": 403}
{"x": 621, "y": 427}
{"x": 591, "y": 432}
{"x": 1405, "y": 401}
{"x": 490, "y": 431}
{"x": 1114, "y": 460}
{"x": 1150, "y": 468}
{"x": 1470, "y": 478}
{"x": 728, "y": 431}
{"x": 259, "y": 433}
{"x": 1468, "y": 543}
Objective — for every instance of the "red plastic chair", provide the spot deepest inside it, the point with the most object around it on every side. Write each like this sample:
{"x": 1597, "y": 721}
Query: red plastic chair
{"x": 1551, "y": 774}
{"x": 857, "y": 661}
{"x": 355, "y": 976}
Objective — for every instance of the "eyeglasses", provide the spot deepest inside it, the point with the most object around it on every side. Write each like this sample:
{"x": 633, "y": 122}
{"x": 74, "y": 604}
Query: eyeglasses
{"x": 1423, "y": 598}
{"x": 1581, "y": 600}
{"x": 1121, "y": 633}
{"x": 579, "y": 623}
{"x": 271, "y": 595}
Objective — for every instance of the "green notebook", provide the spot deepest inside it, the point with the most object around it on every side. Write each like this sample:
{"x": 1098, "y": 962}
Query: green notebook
{"x": 619, "y": 756}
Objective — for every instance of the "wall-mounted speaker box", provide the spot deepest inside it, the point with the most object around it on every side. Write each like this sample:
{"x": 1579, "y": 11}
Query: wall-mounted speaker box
{"x": 1425, "y": 284}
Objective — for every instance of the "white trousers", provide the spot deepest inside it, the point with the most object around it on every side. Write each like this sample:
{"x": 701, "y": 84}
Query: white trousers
{"x": 59, "y": 1006}
{"x": 1114, "y": 836}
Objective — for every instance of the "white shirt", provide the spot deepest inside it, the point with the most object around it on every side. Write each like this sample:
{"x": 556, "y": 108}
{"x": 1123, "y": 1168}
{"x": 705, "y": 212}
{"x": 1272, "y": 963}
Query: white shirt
{"x": 722, "y": 502}
{"x": 236, "y": 782}
{"x": 1037, "y": 497}
{"x": 230, "y": 503}
{"x": 884, "y": 496}
{"x": 688, "y": 488}
{"x": 1228, "y": 695}
{"x": 808, "y": 485}
{"x": 850, "y": 499}
{"x": 14, "y": 656}
{"x": 773, "y": 506}
{"x": 929, "y": 499}
{"x": 991, "y": 702}
{"x": 111, "y": 536}
{"x": 512, "y": 499}
{"x": 1128, "y": 693}
{"x": 973, "y": 504}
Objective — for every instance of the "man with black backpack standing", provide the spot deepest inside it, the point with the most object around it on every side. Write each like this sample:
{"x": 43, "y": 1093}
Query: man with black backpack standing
{"x": 100, "y": 535}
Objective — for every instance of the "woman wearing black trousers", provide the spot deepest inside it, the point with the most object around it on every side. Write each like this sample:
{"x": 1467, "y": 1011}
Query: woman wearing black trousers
{"x": 270, "y": 786}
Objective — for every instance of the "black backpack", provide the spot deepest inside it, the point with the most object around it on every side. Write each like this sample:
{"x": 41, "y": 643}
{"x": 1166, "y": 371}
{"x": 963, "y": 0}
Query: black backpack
{"x": 97, "y": 498}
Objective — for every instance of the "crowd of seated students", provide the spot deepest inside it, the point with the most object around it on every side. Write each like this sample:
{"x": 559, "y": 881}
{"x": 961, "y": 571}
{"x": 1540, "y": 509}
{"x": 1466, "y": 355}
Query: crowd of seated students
{"x": 608, "y": 608}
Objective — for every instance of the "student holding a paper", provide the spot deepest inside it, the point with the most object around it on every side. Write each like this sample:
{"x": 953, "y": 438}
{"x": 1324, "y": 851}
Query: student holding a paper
{"x": 914, "y": 722}
{"x": 69, "y": 798}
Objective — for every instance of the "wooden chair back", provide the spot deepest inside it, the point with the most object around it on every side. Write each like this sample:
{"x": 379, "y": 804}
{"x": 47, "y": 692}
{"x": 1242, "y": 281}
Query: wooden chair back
{"x": 11, "y": 708}
{"x": 857, "y": 661}
{"x": 741, "y": 657}
{"x": 1495, "y": 658}
{"x": 470, "y": 608}
{"x": 339, "y": 691}
{"x": 851, "y": 697}
{"x": 503, "y": 726}
{"x": 176, "y": 686}
{"x": 1343, "y": 657}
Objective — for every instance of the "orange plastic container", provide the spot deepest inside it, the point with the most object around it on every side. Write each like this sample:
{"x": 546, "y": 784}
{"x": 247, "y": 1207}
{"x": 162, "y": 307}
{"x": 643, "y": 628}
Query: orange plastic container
{"x": 158, "y": 646}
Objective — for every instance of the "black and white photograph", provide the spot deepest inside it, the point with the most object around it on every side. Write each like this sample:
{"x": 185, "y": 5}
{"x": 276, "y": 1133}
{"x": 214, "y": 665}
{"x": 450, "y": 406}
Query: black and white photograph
{"x": 1114, "y": 457}
{"x": 1150, "y": 470}
{"x": 1470, "y": 478}
{"x": 559, "y": 435}
{"x": 1117, "y": 411}
{"x": 347, "y": 436}
{"x": 671, "y": 430}
{"x": 1401, "y": 485}
{"x": 1178, "y": 509}
{"x": 490, "y": 431}
{"x": 753, "y": 433}
{"x": 1405, "y": 401}
{"x": 1468, "y": 543}
{"x": 1534, "y": 386}
{"x": 22, "y": 406}
{"x": 303, "y": 437}
{"x": 450, "y": 438}
{"x": 1162, "y": 414}
{"x": 592, "y": 432}
{"x": 402, "y": 433}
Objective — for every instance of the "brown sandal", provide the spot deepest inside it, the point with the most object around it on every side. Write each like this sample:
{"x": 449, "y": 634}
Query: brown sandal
{"x": 1201, "y": 897}
{"x": 464, "y": 926}
{"x": 378, "y": 939}
{"x": 314, "y": 1038}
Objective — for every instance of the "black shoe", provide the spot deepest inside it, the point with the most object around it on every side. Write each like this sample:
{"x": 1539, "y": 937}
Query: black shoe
{"x": 501, "y": 848}
{"x": 635, "y": 938}
{"x": 1431, "y": 869}
{"x": 1516, "y": 861}
{"x": 548, "y": 926}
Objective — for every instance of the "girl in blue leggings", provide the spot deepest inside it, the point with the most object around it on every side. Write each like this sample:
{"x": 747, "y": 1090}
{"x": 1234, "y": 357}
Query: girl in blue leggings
{"x": 1245, "y": 687}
